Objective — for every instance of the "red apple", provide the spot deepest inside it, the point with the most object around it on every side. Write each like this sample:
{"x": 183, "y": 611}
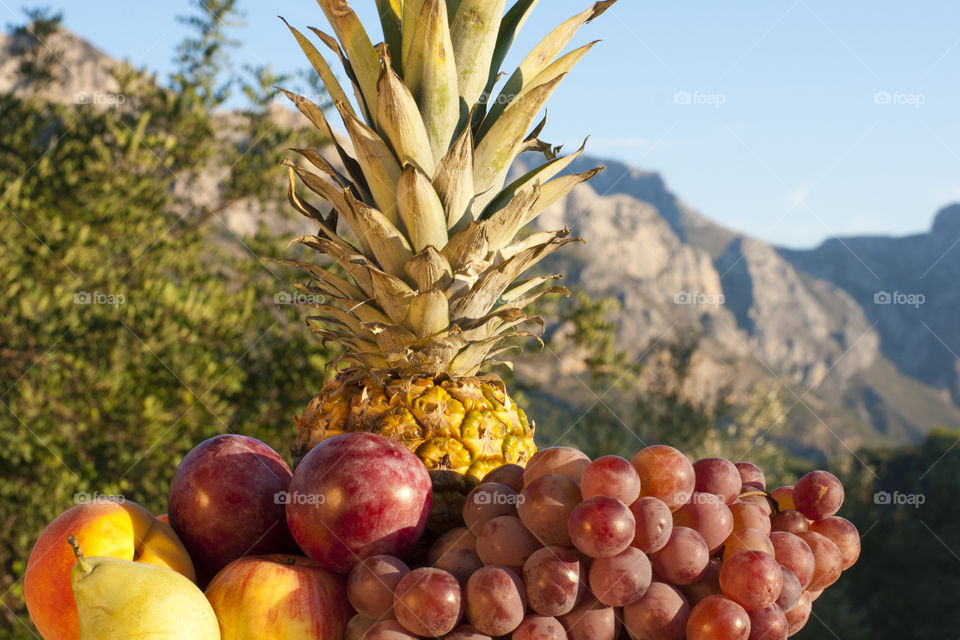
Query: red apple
{"x": 227, "y": 501}
{"x": 358, "y": 495}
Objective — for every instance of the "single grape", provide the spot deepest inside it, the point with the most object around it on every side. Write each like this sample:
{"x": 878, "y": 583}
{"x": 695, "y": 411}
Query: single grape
{"x": 790, "y": 520}
{"x": 665, "y": 473}
{"x": 793, "y": 553}
{"x": 371, "y": 585}
{"x": 487, "y": 501}
{"x": 707, "y": 515}
{"x": 545, "y": 506}
{"x": 563, "y": 460}
{"x": 611, "y": 476}
{"x": 717, "y": 476}
{"x": 748, "y": 515}
{"x": 842, "y": 533}
{"x": 768, "y": 623}
{"x": 601, "y": 527}
{"x": 815, "y": 594}
{"x": 427, "y": 602}
{"x": 661, "y": 614}
{"x": 462, "y": 563}
{"x": 751, "y": 476}
{"x": 466, "y": 632}
{"x": 751, "y": 578}
{"x": 539, "y": 628}
{"x": 791, "y": 591}
{"x": 827, "y": 560}
{"x": 622, "y": 579}
{"x": 798, "y": 616}
{"x": 718, "y": 618}
{"x": 388, "y": 630}
{"x": 707, "y": 585}
{"x": 358, "y": 626}
{"x": 508, "y": 474}
{"x": 762, "y": 501}
{"x": 683, "y": 559}
{"x": 747, "y": 539}
{"x": 783, "y": 496}
{"x": 818, "y": 495}
{"x": 459, "y": 538}
{"x": 590, "y": 620}
{"x": 553, "y": 579}
{"x": 495, "y": 600}
{"x": 654, "y": 524}
{"x": 505, "y": 541}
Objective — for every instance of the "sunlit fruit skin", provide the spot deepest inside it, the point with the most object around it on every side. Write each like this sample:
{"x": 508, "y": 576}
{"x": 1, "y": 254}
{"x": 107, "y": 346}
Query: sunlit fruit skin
{"x": 358, "y": 495}
{"x": 751, "y": 578}
{"x": 536, "y": 627}
{"x": 747, "y": 515}
{"x": 768, "y": 623}
{"x": 545, "y": 506}
{"x": 792, "y": 552}
{"x": 828, "y": 561}
{"x": 818, "y": 495}
{"x": 747, "y": 539}
{"x": 590, "y": 620}
{"x": 842, "y": 533}
{"x": 506, "y": 541}
{"x": 708, "y": 584}
{"x": 798, "y": 616}
{"x": 554, "y": 580}
{"x": 283, "y": 597}
{"x": 563, "y": 460}
{"x": 487, "y": 501}
{"x": 508, "y": 474}
{"x": 371, "y": 585}
{"x": 611, "y": 476}
{"x": 661, "y": 614}
{"x": 791, "y": 591}
{"x": 717, "y": 476}
{"x": 495, "y": 600}
{"x": 683, "y": 559}
{"x": 654, "y": 524}
{"x": 718, "y": 618}
{"x": 789, "y": 520}
{"x": 751, "y": 476}
{"x": 622, "y": 579}
{"x": 707, "y": 514}
{"x": 427, "y": 602}
{"x": 665, "y": 473}
{"x": 108, "y": 528}
{"x": 601, "y": 527}
{"x": 783, "y": 496}
{"x": 224, "y": 502}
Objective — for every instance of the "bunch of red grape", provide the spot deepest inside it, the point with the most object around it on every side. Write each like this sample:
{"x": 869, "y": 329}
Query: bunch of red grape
{"x": 653, "y": 549}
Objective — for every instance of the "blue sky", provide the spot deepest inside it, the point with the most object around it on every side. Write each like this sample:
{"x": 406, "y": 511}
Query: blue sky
{"x": 792, "y": 121}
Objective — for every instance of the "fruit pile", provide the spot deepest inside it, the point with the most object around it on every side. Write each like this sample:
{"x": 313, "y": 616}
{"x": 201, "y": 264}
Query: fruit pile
{"x": 655, "y": 548}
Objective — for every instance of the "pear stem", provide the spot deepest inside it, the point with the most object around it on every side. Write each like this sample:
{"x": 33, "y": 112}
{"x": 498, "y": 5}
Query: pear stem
{"x": 81, "y": 561}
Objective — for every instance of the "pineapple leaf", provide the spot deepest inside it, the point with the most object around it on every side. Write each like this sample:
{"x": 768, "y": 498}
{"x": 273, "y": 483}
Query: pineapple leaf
{"x": 557, "y": 189}
{"x": 429, "y": 313}
{"x": 401, "y": 123}
{"x": 392, "y": 294}
{"x": 390, "y": 12}
{"x": 453, "y": 181}
{"x": 420, "y": 209}
{"x": 511, "y": 24}
{"x": 384, "y": 240}
{"x": 473, "y": 30}
{"x": 429, "y": 269}
{"x": 320, "y": 65}
{"x": 363, "y": 58}
{"x": 379, "y": 165}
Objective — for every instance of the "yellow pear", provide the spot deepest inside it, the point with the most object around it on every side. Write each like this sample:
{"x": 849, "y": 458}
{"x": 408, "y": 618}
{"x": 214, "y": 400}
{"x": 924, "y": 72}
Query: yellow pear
{"x": 118, "y": 599}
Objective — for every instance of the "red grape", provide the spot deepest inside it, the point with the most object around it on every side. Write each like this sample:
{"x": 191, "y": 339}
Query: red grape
{"x": 459, "y": 538}
{"x": 563, "y": 460}
{"x": 718, "y": 618}
{"x": 358, "y": 626}
{"x": 768, "y": 624}
{"x": 683, "y": 559}
{"x": 828, "y": 562}
{"x": 717, "y": 476}
{"x": 783, "y": 496}
{"x": 462, "y": 563}
{"x": 792, "y": 552}
{"x": 789, "y": 520}
{"x": 815, "y": 594}
{"x": 752, "y": 578}
{"x": 751, "y": 476}
{"x": 654, "y": 524}
{"x": 798, "y": 616}
{"x": 843, "y": 534}
{"x": 495, "y": 600}
{"x": 466, "y": 632}
{"x": 818, "y": 495}
{"x": 508, "y": 474}
{"x": 622, "y": 579}
{"x": 590, "y": 620}
{"x": 388, "y": 630}
{"x": 707, "y": 585}
{"x": 371, "y": 585}
{"x": 709, "y": 516}
{"x": 747, "y": 539}
{"x": 611, "y": 476}
{"x": 762, "y": 501}
{"x": 487, "y": 501}
{"x": 427, "y": 602}
{"x": 539, "y": 628}
{"x": 791, "y": 591}
{"x": 747, "y": 515}
{"x": 665, "y": 473}
{"x": 661, "y": 614}
{"x": 505, "y": 541}
{"x": 601, "y": 527}
{"x": 553, "y": 579}
{"x": 545, "y": 506}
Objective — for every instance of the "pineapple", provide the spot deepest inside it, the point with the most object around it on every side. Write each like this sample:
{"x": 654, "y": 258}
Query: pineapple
{"x": 423, "y": 229}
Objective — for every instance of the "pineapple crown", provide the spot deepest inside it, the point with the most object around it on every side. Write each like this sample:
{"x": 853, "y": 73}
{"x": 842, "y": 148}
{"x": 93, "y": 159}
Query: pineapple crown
{"x": 420, "y": 220}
